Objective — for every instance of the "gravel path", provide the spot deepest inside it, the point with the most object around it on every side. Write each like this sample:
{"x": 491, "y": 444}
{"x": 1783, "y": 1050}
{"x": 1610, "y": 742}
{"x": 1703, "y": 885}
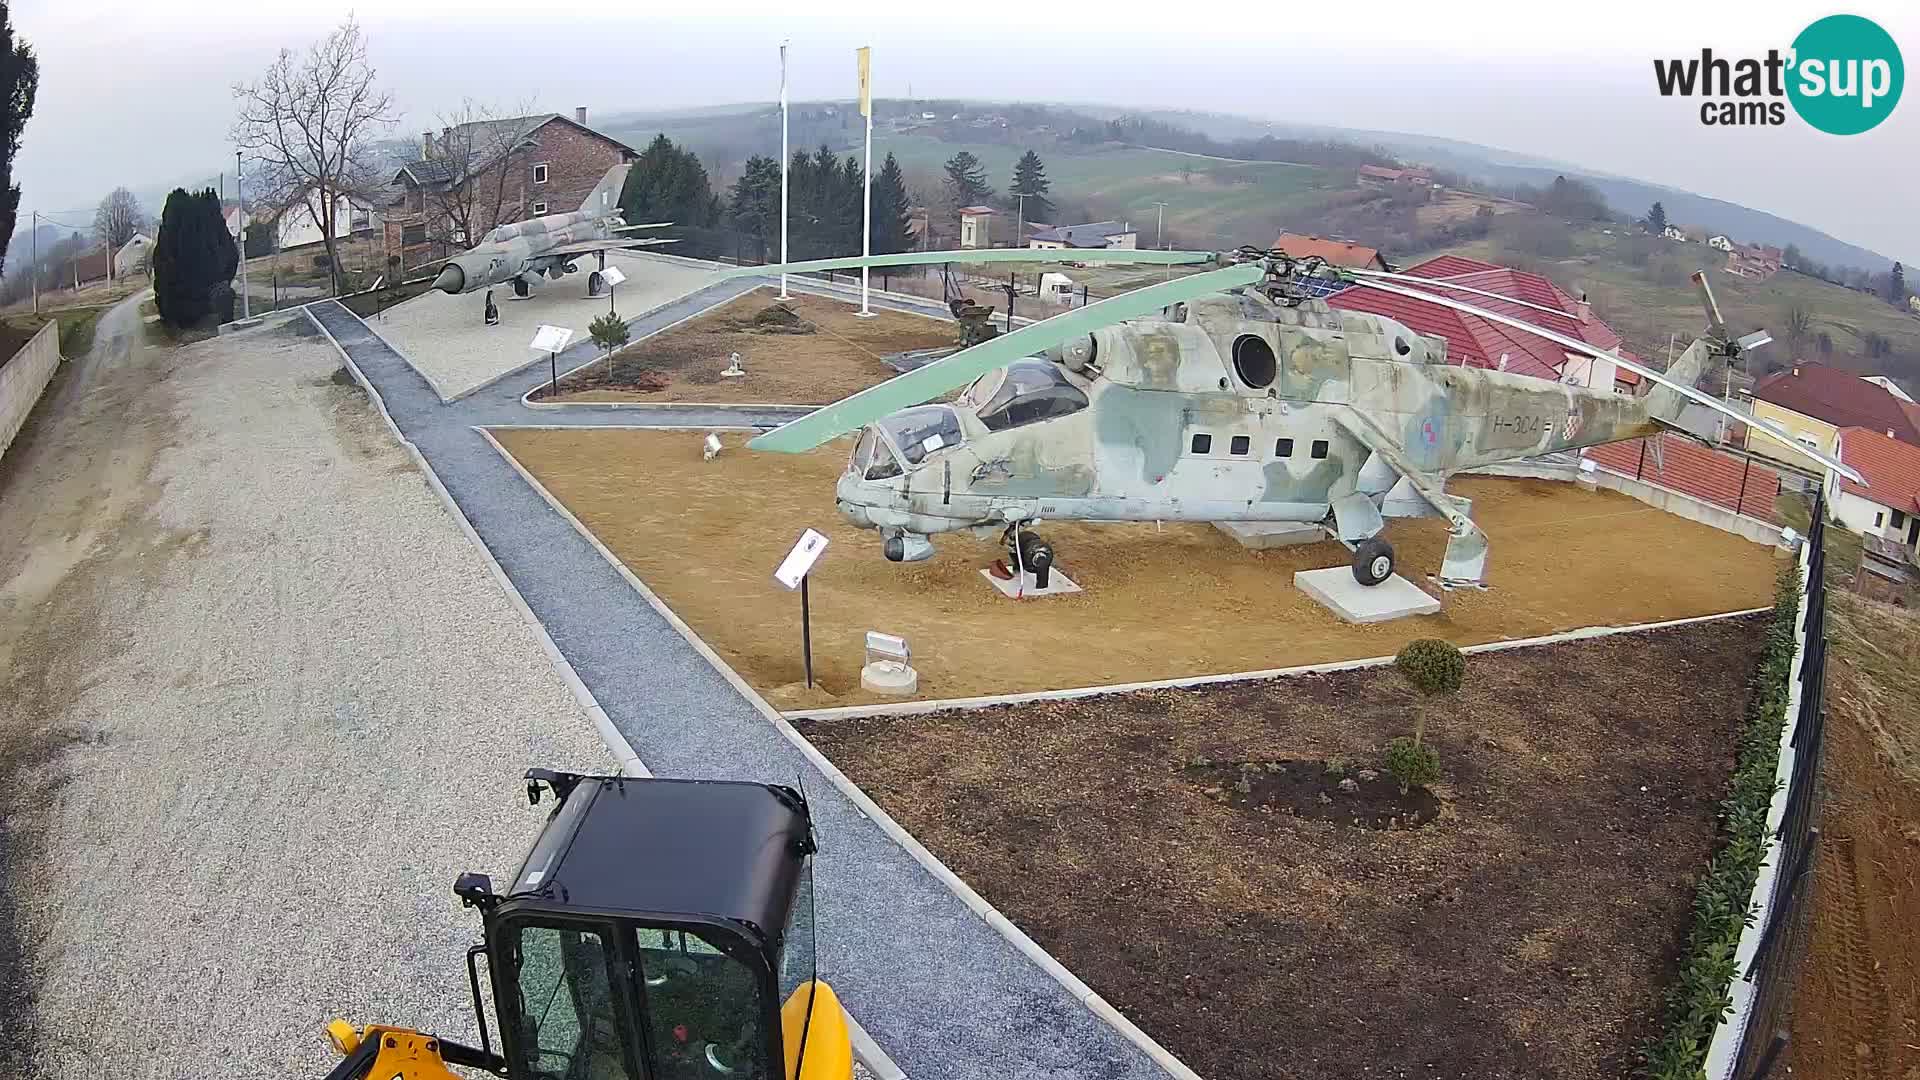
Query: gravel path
{"x": 256, "y": 718}
{"x": 447, "y": 340}
{"x": 941, "y": 991}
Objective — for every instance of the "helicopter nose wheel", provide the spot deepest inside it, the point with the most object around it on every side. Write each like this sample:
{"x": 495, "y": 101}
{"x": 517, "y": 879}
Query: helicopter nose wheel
{"x": 1372, "y": 561}
{"x": 1030, "y": 551}
{"x": 520, "y": 288}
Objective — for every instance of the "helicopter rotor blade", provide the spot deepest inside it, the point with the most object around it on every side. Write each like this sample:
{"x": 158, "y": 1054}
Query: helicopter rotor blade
{"x": 1765, "y": 427}
{"x": 953, "y": 372}
{"x": 1437, "y": 283}
{"x": 980, "y": 255}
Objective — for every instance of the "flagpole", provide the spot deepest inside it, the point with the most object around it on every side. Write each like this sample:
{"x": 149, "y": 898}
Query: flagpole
{"x": 866, "y": 228}
{"x": 784, "y": 155}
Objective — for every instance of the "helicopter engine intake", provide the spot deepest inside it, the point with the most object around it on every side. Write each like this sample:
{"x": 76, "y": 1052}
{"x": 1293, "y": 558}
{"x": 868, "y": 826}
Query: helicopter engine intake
{"x": 899, "y": 545}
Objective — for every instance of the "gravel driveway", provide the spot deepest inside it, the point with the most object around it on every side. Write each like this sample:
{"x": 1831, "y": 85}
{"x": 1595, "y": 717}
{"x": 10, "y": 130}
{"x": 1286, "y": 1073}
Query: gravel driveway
{"x": 260, "y": 702}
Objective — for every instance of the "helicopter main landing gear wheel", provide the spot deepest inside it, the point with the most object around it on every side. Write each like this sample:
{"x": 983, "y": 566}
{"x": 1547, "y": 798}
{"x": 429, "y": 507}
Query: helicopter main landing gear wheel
{"x": 1372, "y": 561}
{"x": 1029, "y": 551}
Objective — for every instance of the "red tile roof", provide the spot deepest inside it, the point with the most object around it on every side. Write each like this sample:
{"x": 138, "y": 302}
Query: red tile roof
{"x": 1480, "y": 342}
{"x": 1335, "y": 252}
{"x": 1840, "y": 398}
{"x": 1892, "y": 468}
{"x": 1692, "y": 469}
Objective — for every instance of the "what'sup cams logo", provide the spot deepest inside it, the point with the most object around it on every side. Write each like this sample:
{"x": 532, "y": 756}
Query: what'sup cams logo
{"x": 1843, "y": 75}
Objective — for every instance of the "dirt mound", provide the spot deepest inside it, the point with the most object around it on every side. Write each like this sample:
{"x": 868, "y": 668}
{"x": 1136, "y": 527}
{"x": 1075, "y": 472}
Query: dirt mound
{"x": 780, "y": 319}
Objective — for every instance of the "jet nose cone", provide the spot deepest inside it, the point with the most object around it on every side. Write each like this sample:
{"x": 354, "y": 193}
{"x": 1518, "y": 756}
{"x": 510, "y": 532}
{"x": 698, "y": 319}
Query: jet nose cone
{"x": 452, "y": 279}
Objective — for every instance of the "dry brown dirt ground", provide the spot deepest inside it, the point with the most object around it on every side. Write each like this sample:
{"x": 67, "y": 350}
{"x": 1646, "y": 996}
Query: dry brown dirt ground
{"x": 1527, "y": 931}
{"x": 839, "y": 357}
{"x": 1856, "y": 1003}
{"x": 1159, "y": 603}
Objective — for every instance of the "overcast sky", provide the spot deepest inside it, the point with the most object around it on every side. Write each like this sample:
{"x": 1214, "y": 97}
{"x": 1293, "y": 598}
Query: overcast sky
{"x": 140, "y": 94}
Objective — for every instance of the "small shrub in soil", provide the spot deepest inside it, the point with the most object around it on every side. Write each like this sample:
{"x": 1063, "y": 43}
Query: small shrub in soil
{"x": 1412, "y": 764}
{"x": 1311, "y": 790}
{"x": 1432, "y": 666}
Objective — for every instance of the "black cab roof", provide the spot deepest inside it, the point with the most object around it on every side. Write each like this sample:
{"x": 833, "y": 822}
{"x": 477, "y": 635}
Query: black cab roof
{"x": 699, "y": 850}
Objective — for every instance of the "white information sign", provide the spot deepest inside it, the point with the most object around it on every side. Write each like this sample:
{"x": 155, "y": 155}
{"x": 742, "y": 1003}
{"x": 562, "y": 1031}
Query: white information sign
{"x": 806, "y": 551}
{"x": 612, "y": 275}
{"x": 551, "y": 339}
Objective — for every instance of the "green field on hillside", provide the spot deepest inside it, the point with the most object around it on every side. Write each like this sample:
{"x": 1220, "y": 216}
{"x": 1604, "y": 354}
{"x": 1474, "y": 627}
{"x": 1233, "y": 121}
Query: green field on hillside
{"x": 1211, "y": 202}
{"x": 1647, "y": 303}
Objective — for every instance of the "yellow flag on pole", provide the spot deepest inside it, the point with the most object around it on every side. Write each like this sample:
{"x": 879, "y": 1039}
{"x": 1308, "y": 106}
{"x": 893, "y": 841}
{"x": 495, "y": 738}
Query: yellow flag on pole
{"x": 866, "y": 90}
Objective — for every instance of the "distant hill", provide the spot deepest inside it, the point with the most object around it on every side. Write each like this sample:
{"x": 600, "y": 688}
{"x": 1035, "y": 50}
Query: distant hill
{"x": 1499, "y": 169}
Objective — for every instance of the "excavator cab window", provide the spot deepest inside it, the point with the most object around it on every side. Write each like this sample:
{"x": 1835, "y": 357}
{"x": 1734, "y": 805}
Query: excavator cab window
{"x": 705, "y": 1016}
{"x": 570, "y": 1020}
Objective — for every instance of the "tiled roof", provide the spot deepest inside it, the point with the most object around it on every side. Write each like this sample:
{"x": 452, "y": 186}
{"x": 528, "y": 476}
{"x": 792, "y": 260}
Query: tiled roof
{"x": 1094, "y": 234}
{"x": 486, "y": 137}
{"x": 1692, "y": 469}
{"x": 978, "y": 210}
{"x": 1335, "y": 252}
{"x": 1480, "y": 342}
{"x": 1892, "y": 468}
{"x": 1840, "y": 398}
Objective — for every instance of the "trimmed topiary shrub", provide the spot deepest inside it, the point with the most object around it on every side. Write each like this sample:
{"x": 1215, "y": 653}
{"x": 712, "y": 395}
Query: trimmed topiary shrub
{"x": 1432, "y": 666}
{"x": 1412, "y": 764}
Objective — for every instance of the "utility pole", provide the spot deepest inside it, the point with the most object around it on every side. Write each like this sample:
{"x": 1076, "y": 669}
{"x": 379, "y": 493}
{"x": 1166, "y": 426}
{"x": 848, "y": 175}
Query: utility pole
{"x": 240, "y": 192}
{"x": 866, "y": 228}
{"x": 1020, "y": 230}
{"x": 785, "y": 155}
{"x": 1160, "y": 232}
{"x": 34, "y": 273}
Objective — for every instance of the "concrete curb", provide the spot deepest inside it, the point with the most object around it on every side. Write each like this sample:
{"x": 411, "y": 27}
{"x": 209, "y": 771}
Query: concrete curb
{"x": 616, "y": 743}
{"x": 869, "y": 1051}
{"x": 918, "y": 708}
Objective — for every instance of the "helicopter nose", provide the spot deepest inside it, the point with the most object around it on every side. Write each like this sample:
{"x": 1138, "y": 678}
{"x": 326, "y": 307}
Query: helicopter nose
{"x": 452, "y": 279}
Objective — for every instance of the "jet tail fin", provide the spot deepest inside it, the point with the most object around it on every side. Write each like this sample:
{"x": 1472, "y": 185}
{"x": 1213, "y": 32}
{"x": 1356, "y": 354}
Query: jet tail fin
{"x": 604, "y": 199}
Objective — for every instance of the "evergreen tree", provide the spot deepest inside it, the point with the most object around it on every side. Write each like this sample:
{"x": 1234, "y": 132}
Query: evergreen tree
{"x": 1656, "y": 219}
{"x": 753, "y": 204}
{"x": 890, "y": 209}
{"x": 1030, "y": 179}
{"x": 1897, "y": 286}
{"x": 967, "y": 179}
{"x": 194, "y": 258}
{"x": 668, "y": 183}
{"x": 19, "y": 81}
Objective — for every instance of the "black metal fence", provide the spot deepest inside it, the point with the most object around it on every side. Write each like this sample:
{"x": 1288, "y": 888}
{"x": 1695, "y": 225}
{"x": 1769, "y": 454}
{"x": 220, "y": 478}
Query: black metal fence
{"x": 1775, "y": 963}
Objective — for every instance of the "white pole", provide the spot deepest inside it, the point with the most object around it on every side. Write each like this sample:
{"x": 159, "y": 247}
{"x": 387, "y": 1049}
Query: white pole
{"x": 866, "y": 228}
{"x": 246, "y": 301}
{"x": 784, "y": 155}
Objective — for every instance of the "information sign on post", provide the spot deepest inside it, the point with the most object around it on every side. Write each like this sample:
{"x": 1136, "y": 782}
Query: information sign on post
{"x": 792, "y": 573}
{"x": 550, "y": 340}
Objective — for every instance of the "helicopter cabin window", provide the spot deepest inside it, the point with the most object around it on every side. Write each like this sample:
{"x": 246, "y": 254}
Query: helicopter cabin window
{"x": 1319, "y": 449}
{"x": 1202, "y": 443}
{"x": 1283, "y": 448}
{"x": 872, "y": 458}
{"x": 1254, "y": 362}
{"x": 922, "y": 430}
{"x": 569, "y": 1023}
{"x": 1030, "y": 391}
{"x": 1239, "y": 445}
{"x": 702, "y": 1008}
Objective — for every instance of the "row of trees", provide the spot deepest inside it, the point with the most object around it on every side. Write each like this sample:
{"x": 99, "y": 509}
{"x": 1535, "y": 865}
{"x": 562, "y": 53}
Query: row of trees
{"x": 824, "y": 206}
{"x": 1142, "y": 131}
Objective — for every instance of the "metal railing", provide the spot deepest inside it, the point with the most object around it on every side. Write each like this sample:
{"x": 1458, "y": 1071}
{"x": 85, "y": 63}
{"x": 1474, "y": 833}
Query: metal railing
{"x": 1774, "y": 967}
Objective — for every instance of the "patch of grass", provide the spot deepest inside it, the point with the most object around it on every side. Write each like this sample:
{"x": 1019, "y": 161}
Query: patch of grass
{"x": 1881, "y": 644}
{"x": 1698, "y": 998}
{"x": 76, "y": 329}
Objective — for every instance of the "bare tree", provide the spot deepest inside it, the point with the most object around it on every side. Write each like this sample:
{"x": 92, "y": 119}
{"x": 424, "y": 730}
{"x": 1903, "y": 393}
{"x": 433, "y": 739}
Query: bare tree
{"x": 474, "y": 150}
{"x": 1796, "y": 327}
{"x": 117, "y": 219}
{"x": 310, "y": 121}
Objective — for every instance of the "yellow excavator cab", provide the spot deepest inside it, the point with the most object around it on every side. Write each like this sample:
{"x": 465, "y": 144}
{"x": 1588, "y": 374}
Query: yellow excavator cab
{"x": 658, "y": 930}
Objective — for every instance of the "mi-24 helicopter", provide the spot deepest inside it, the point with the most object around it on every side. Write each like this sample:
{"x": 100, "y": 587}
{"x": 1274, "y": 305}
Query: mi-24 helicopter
{"x": 1231, "y": 395}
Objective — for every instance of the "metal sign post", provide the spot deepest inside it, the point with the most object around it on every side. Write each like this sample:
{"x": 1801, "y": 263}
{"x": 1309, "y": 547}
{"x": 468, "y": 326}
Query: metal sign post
{"x": 793, "y": 573}
{"x": 612, "y": 276}
{"x": 550, "y": 340}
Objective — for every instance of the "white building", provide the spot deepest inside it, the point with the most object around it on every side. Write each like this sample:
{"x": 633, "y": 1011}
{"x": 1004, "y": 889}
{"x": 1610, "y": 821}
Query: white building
{"x": 976, "y": 226}
{"x": 1719, "y": 243}
{"x": 1673, "y": 233}
{"x": 1888, "y": 385}
{"x": 299, "y": 224}
{"x": 1888, "y": 505}
{"x": 133, "y": 256}
{"x": 1096, "y": 235}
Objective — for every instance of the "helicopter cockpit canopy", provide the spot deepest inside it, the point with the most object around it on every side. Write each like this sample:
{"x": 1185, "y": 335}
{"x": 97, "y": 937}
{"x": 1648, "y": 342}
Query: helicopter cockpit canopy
{"x": 904, "y": 439}
{"x": 1025, "y": 392}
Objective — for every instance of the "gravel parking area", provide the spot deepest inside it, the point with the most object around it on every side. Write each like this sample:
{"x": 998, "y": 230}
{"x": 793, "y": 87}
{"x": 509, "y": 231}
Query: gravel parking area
{"x": 446, "y": 340}
{"x": 254, "y": 721}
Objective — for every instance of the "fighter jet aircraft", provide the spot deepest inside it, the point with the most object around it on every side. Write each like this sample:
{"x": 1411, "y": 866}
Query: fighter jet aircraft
{"x": 1233, "y": 395}
{"x": 522, "y": 251}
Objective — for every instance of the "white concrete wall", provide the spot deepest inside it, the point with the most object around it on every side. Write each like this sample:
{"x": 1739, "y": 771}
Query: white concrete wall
{"x": 1857, "y": 513}
{"x": 23, "y": 377}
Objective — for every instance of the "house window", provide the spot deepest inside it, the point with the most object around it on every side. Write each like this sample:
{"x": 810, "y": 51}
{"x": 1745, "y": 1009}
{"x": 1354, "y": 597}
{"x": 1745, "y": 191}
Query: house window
{"x": 1239, "y": 445}
{"x": 540, "y": 173}
{"x": 459, "y": 236}
{"x": 1879, "y": 519}
{"x": 1899, "y": 520}
{"x": 1202, "y": 443}
{"x": 413, "y": 234}
{"x": 1319, "y": 449}
{"x": 1283, "y": 448}
{"x": 539, "y": 208}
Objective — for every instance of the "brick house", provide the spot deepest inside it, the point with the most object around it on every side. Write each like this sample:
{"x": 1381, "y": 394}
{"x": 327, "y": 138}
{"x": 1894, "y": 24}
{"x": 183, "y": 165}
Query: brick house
{"x": 475, "y": 176}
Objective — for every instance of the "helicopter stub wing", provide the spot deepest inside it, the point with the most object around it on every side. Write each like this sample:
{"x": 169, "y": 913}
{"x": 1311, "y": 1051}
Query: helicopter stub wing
{"x": 981, "y": 255}
{"x": 925, "y": 384}
{"x": 1572, "y": 344}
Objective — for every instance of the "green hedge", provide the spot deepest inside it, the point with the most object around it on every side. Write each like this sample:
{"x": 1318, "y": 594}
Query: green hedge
{"x": 1699, "y": 996}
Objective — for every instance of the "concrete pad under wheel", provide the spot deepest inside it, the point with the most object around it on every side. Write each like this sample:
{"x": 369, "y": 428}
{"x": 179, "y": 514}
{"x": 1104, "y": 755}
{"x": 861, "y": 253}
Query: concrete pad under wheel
{"x": 1058, "y": 584}
{"x": 1267, "y": 535}
{"x": 1393, "y": 598}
